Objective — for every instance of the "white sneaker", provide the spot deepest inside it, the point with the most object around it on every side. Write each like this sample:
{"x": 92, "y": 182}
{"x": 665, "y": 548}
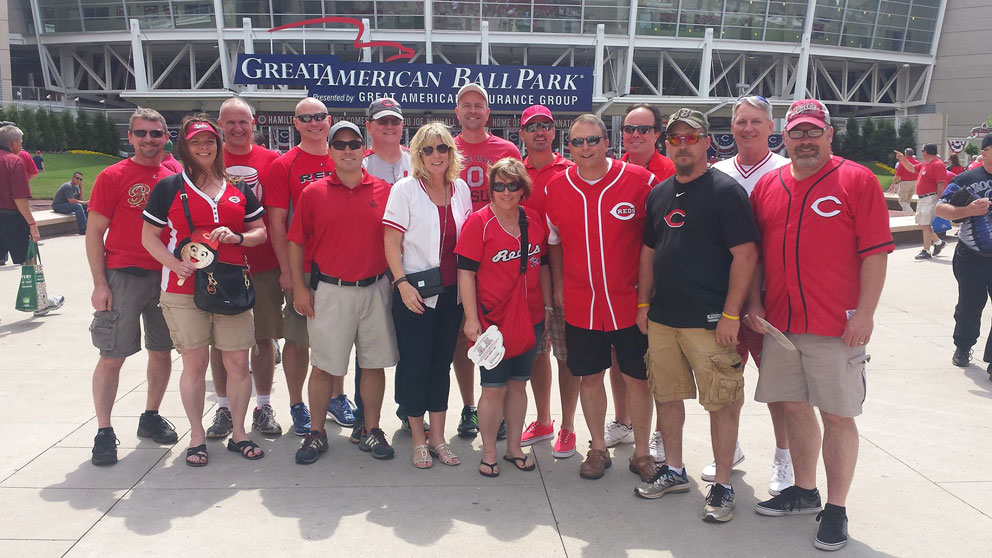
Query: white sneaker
{"x": 616, "y": 433}
{"x": 657, "y": 448}
{"x": 709, "y": 472}
{"x": 54, "y": 303}
{"x": 782, "y": 476}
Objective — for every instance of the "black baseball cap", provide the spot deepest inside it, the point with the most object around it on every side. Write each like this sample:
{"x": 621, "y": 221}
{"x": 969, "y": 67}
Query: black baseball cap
{"x": 930, "y": 148}
{"x": 384, "y": 107}
{"x": 987, "y": 140}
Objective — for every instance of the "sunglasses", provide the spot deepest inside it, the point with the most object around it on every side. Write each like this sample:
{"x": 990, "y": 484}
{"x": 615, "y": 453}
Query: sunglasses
{"x": 342, "y": 145}
{"x": 306, "y": 118}
{"x": 799, "y": 134}
{"x": 579, "y": 142}
{"x": 688, "y": 139}
{"x": 630, "y": 129}
{"x": 542, "y": 126}
{"x": 428, "y": 150}
{"x": 153, "y": 133}
{"x": 511, "y": 186}
{"x": 388, "y": 121}
{"x": 753, "y": 97}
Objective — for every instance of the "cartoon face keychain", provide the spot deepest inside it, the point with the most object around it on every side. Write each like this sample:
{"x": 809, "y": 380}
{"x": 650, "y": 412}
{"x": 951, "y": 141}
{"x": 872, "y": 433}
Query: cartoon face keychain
{"x": 197, "y": 250}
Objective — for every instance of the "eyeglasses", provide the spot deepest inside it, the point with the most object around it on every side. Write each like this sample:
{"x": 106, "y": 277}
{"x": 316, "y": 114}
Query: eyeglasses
{"x": 342, "y": 145}
{"x": 542, "y": 126}
{"x": 630, "y": 129}
{"x": 799, "y": 134}
{"x": 688, "y": 139}
{"x": 153, "y": 133}
{"x": 511, "y": 186}
{"x": 579, "y": 142}
{"x": 428, "y": 150}
{"x": 306, "y": 118}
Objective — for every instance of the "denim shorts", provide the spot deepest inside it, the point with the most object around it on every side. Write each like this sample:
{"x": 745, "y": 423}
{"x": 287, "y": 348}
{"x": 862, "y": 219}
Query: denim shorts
{"x": 517, "y": 368}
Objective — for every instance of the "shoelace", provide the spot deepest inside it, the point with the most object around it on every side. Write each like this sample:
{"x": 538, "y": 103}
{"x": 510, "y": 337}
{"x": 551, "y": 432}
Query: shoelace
{"x": 163, "y": 423}
{"x": 781, "y": 469}
{"x": 221, "y": 415}
{"x": 312, "y": 441}
{"x": 266, "y": 413}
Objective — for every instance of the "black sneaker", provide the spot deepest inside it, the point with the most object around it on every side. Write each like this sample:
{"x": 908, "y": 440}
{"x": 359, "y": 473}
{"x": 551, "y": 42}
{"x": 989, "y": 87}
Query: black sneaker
{"x": 469, "y": 423}
{"x": 501, "y": 433}
{"x": 962, "y": 357}
{"x": 105, "y": 448}
{"x": 832, "y": 532}
{"x": 314, "y": 444}
{"x": 375, "y": 441}
{"x": 938, "y": 247}
{"x": 923, "y": 255}
{"x": 357, "y": 432}
{"x": 223, "y": 424}
{"x": 791, "y": 501}
{"x": 157, "y": 427}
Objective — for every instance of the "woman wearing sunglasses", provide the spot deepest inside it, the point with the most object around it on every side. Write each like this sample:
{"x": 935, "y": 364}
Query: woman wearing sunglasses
{"x": 423, "y": 218}
{"x": 504, "y": 279}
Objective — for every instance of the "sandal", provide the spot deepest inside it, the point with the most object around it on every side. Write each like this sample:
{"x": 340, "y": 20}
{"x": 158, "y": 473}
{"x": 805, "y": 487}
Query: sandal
{"x": 493, "y": 471}
{"x": 520, "y": 463}
{"x": 197, "y": 451}
{"x": 246, "y": 448}
{"x": 422, "y": 457}
{"x": 444, "y": 454}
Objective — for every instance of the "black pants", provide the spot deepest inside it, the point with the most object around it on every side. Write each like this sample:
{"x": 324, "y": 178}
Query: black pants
{"x": 974, "y": 275}
{"x": 427, "y": 345}
{"x": 14, "y": 236}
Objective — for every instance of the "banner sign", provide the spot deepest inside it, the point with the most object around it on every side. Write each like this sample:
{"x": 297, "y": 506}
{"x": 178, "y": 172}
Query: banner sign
{"x": 419, "y": 86}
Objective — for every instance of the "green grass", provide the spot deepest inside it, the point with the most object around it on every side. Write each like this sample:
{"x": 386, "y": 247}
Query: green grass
{"x": 59, "y": 168}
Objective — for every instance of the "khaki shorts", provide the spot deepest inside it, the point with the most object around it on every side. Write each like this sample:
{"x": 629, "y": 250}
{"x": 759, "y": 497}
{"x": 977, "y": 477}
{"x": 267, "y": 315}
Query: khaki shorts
{"x": 294, "y": 326}
{"x": 926, "y": 210}
{"x": 268, "y": 304}
{"x": 347, "y": 317}
{"x": 681, "y": 359}
{"x": 117, "y": 332}
{"x": 907, "y": 189}
{"x": 822, "y": 371}
{"x": 192, "y": 328}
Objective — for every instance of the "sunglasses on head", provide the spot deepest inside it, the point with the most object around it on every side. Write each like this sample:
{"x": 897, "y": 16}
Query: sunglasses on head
{"x": 630, "y": 129}
{"x": 306, "y": 118}
{"x": 342, "y": 145}
{"x": 688, "y": 139}
{"x": 441, "y": 148}
{"x": 579, "y": 142}
{"x": 511, "y": 186}
{"x": 152, "y": 133}
{"x": 814, "y": 133}
{"x": 755, "y": 97}
{"x": 542, "y": 126}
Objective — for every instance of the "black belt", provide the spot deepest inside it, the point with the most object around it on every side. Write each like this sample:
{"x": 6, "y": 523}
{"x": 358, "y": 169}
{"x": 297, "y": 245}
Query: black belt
{"x": 360, "y": 283}
{"x": 927, "y": 195}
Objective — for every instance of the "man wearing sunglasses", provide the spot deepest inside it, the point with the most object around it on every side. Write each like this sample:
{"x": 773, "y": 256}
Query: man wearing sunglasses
{"x": 825, "y": 237}
{"x": 285, "y": 180}
{"x": 127, "y": 283}
{"x": 596, "y": 216}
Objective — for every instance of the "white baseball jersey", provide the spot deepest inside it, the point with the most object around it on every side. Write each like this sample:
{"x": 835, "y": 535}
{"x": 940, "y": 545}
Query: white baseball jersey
{"x": 749, "y": 176}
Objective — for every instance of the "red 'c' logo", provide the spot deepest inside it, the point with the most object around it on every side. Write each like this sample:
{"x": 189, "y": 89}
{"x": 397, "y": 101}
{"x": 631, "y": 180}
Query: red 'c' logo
{"x": 675, "y": 218}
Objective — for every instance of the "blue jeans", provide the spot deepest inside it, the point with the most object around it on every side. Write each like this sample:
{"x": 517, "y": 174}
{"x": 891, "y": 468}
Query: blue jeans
{"x": 77, "y": 209}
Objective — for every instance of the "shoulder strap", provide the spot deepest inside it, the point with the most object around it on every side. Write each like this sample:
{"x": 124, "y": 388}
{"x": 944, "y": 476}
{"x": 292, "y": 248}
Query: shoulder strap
{"x": 524, "y": 243}
{"x": 185, "y": 200}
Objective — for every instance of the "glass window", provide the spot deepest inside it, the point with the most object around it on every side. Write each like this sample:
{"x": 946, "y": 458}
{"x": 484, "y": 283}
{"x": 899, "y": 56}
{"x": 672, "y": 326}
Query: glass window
{"x": 657, "y": 17}
{"x": 60, "y": 16}
{"x": 255, "y": 10}
{"x": 558, "y": 16}
{"x": 402, "y": 14}
{"x": 507, "y": 15}
{"x": 457, "y": 16}
{"x": 193, "y": 13}
{"x": 613, "y": 14}
{"x": 150, "y": 14}
{"x": 785, "y": 21}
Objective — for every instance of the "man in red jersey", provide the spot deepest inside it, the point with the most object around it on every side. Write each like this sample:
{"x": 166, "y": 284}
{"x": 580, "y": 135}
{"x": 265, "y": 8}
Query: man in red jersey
{"x": 825, "y": 242}
{"x": 127, "y": 284}
{"x": 478, "y": 149}
{"x": 929, "y": 187}
{"x": 537, "y": 130}
{"x": 247, "y": 161}
{"x": 596, "y": 215}
{"x": 285, "y": 180}
{"x": 905, "y": 178}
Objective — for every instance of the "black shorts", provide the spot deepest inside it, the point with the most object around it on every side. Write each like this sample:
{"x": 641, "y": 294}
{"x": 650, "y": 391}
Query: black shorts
{"x": 589, "y": 351}
{"x": 14, "y": 237}
{"x": 517, "y": 369}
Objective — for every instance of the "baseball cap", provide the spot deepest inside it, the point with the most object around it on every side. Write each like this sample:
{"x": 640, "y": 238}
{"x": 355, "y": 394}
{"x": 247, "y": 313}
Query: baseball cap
{"x": 384, "y": 107}
{"x": 472, "y": 87}
{"x": 534, "y": 111}
{"x": 808, "y": 111}
{"x": 197, "y": 127}
{"x": 344, "y": 125}
{"x": 987, "y": 140}
{"x": 930, "y": 148}
{"x": 691, "y": 117}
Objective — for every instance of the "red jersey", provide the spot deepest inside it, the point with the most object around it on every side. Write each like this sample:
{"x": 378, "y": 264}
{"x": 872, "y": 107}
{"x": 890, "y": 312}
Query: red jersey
{"x": 659, "y": 165}
{"x": 905, "y": 171}
{"x": 485, "y": 241}
{"x": 476, "y": 159}
{"x": 120, "y": 193}
{"x": 13, "y": 180}
{"x": 974, "y": 165}
{"x": 342, "y": 227}
{"x": 29, "y": 166}
{"x": 815, "y": 232}
{"x": 600, "y": 227}
{"x": 539, "y": 178}
{"x": 930, "y": 174}
{"x": 286, "y": 178}
{"x": 172, "y": 164}
{"x": 250, "y": 167}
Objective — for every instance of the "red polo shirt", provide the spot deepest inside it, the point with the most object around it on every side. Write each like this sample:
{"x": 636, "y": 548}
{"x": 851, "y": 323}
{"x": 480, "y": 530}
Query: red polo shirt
{"x": 600, "y": 227}
{"x": 476, "y": 160}
{"x": 342, "y": 227}
{"x": 815, "y": 232}
{"x": 905, "y": 172}
{"x": 250, "y": 167}
{"x": 29, "y": 166}
{"x": 539, "y": 178}
{"x": 930, "y": 174}
{"x": 13, "y": 180}
{"x": 286, "y": 178}
{"x": 659, "y": 165}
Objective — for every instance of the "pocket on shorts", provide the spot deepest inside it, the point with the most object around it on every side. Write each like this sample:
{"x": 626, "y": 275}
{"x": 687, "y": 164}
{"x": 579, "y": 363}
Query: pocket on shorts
{"x": 727, "y": 380}
{"x": 103, "y": 329}
{"x": 857, "y": 371}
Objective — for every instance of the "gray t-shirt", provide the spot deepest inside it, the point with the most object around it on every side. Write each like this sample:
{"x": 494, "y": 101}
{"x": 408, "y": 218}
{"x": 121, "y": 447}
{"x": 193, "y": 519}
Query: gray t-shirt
{"x": 390, "y": 172}
{"x": 65, "y": 192}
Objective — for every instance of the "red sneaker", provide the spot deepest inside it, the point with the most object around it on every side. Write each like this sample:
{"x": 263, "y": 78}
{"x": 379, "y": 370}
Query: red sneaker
{"x": 536, "y": 433}
{"x": 564, "y": 445}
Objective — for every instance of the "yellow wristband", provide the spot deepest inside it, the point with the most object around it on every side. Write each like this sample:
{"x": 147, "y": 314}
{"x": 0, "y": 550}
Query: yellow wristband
{"x": 729, "y": 317}
{"x": 644, "y": 305}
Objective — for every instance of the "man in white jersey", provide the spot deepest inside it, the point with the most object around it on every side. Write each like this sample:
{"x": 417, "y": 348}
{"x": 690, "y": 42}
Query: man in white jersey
{"x": 752, "y": 124}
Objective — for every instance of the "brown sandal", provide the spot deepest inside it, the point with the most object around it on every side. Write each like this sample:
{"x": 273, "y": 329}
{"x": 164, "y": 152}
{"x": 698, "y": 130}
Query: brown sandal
{"x": 444, "y": 454}
{"x": 422, "y": 457}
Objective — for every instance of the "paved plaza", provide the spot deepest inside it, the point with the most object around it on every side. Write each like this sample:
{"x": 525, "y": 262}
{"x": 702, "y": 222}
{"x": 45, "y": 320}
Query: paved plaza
{"x": 923, "y": 485}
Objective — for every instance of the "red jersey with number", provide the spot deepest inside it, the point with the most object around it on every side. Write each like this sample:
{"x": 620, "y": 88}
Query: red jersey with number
{"x": 250, "y": 167}
{"x": 600, "y": 228}
{"x": 120, "y": 193}
{"x": 930, "y": 174}
{"x": 485, "y": 241}
{"x": 342, "y": 226}
{"x": 286, "y": 178}
{"x": 659, "y": 165}
{"x": 476, "y": 159}
{"x": 539, "y": 178}
{"x": 815, "y": 233}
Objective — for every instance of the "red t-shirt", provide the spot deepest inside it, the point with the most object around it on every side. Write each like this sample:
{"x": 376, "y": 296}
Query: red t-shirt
{"x": 659, "y": 165}
{"x": 930, "y": 174}
{"x": 342, "y": 227}
{"x": 815, "y": 232}
{"x": 13, "y": 180}
{"x": 905, "y": 171}
{"x": 172, "y": 164}
{"x": 232, "y": 208}
{"x": 539, "y": 178}
{"x": 120, "y": 193}
{"x": 449, "y": 262}
{"x": 476, "y": 159}
{"x": 29, "y": 166}
{"x": 286, "y": 178}
{"x": 974, "y": 165}
{"x": 250, "y": 167}
{"x": 485, "y": 241}
{"x": 954, "y": 171}
{"x": 600, "y": 227}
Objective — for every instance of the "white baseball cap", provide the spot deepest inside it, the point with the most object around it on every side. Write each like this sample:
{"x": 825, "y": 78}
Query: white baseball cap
{"x": 468, "y": 87}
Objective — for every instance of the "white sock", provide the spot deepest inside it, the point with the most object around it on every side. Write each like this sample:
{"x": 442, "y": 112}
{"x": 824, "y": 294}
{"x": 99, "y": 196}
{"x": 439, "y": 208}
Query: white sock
{"x": 783, "y": 454}
{"x": 677, "y": 470}
{"x": 261, "y": 400}
{"x": 223, "y": 402}
{"x": 727, "y": 486}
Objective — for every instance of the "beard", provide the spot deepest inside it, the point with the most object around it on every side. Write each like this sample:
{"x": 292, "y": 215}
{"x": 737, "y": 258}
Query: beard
{"x": 684, "y": 169}
{"x": 808, "y": 161}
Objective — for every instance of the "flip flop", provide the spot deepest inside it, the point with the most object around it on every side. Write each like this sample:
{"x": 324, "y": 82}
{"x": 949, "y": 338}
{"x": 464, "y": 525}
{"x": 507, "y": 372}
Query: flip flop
{"x": 520, "y": 463}
{"x": 244, "y": 447}
{"x": 197, "y": 451}
{"x": 493, "y": 471}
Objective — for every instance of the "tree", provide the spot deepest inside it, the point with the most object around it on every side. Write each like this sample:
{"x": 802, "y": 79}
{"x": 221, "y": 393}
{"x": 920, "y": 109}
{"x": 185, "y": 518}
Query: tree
{"x": 837, "y": 144}
{"x": 867, "y": 135}
{"x": 27, "y": 121}
{"x": 69, "y": 129}
{"x": 84, "y": 132}
{"x": 50, "y": 127}
{"x": 907, "y": 135}
{"x": 95, "y": 133}
{"x": 972, "y": 149}
{"x": 852, "y": 139}
{"x": 111, "y": 139}
{"x": 883, "y": 142}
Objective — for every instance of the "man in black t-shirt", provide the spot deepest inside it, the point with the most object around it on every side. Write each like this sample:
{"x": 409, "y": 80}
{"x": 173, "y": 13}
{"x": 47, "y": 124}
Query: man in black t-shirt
{"x": 700, "y": 250}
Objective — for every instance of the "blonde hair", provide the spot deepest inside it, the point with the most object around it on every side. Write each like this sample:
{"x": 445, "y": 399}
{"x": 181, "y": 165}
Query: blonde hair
{"x": 512, "y": 168}
{"x": 428, "y": 135}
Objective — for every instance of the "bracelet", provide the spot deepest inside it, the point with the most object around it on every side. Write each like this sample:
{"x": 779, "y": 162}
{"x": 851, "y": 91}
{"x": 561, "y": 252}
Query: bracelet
{"x": 644, "y": 305}
{"x": 241, "y": 237}
{"x": 32, "y": 223}
{"x": 549, "y": 309}
{"x": 399, "y": 280}
{"x": 729, "y": 317}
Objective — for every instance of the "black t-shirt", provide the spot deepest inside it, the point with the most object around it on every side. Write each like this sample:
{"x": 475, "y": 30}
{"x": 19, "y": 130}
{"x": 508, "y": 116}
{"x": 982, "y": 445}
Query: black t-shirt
{"x": 692, "y": 228}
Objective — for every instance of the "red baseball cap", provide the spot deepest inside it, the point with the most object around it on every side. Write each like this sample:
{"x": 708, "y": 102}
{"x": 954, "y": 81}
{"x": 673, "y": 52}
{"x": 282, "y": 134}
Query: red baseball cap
{"x": 808, "y": 111}
{"x": 534, "y": 111}
{"x": 197, "y": 127}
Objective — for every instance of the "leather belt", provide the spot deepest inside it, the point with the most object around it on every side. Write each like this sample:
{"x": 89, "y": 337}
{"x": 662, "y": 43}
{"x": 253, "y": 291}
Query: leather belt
{"x": 360, "y": 283}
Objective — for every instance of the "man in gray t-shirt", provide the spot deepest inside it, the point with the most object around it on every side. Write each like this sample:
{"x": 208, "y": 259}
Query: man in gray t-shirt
{"x": 69, "y": 200}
